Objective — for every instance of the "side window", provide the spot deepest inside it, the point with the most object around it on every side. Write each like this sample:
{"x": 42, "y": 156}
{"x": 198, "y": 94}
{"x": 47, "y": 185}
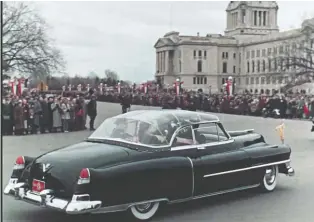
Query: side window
{"x": 184, "y": 137}
{"x": 209, "y": 133}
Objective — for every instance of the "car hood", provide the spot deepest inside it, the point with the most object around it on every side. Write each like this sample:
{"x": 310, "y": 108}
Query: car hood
{"x": 66, "y": 163}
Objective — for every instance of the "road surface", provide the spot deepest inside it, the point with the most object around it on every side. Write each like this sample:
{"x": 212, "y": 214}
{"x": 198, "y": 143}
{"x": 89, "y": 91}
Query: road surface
{"x": 292, "y": 201}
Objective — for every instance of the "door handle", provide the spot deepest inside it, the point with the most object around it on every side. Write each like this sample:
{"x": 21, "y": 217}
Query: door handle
{"x": 201, "y": 147}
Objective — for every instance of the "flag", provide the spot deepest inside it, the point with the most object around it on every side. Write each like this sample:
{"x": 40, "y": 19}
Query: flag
{"x": 281, "y": 130}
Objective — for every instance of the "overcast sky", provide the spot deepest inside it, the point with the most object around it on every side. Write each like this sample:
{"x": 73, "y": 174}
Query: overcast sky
{"x": 95, "y": 36}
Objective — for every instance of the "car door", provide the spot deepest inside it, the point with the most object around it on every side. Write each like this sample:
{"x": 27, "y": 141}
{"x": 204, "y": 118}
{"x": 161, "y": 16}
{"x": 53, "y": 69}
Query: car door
{"x": 220, "y": 166}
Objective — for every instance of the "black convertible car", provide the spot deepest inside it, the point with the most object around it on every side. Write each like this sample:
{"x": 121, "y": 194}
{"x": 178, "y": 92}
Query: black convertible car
{"x": 136, "y": 161}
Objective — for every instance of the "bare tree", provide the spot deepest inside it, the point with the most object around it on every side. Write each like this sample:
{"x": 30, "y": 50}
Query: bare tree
{"x": 26, "y": 46}
{"x": 297, "y": 59}
{"x": 111, "y": 75}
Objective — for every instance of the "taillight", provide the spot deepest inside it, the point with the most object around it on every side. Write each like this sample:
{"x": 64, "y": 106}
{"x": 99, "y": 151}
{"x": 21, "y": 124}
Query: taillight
{"x": 84, "y": 176}
{"x": 19, "y": 163}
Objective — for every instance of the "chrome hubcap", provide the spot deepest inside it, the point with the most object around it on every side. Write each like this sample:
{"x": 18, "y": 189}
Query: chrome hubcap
{"x": 143, "y": 208}
{"x": 270, "y": 175}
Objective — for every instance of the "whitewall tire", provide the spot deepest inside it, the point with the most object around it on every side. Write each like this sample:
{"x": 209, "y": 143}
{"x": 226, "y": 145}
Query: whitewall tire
{"x": 145, "y": 211}
{"x": 269, "y": 181}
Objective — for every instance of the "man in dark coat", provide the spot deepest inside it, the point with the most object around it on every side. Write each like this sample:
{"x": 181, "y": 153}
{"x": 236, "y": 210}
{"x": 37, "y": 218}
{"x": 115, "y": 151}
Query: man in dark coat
{"x": 92, "y": 111}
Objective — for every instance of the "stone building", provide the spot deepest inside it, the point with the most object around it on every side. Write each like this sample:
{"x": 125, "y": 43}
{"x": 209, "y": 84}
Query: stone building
{"x": 253, "y": 51}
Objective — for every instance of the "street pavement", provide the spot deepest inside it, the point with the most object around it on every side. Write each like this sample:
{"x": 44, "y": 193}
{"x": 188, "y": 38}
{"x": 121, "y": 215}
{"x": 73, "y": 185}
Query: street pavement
{"x": 292, "y": 201}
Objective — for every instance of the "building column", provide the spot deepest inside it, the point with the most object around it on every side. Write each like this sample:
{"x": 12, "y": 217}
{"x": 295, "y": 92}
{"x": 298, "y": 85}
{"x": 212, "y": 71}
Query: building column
{"x": 257, "y": 18}
{"x": 157, "y": 62}
{"x": 166, "y": 60}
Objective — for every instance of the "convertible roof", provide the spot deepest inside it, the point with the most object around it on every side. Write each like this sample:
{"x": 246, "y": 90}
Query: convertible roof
{"x": 152, "y": 116}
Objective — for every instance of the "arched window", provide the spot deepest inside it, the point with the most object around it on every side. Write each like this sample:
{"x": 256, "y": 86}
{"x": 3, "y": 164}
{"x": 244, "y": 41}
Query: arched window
{"x": 258, "y": 66}
{"x": 199, "y": 66}
{"x": 267, "y": 91}
{"x": 180, "y": 66}
{"x": 264, "y": 66}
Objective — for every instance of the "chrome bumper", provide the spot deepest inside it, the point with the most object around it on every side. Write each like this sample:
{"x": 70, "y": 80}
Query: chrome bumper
{"x": 46, "y": 199}
{"x": 290, "y": 171}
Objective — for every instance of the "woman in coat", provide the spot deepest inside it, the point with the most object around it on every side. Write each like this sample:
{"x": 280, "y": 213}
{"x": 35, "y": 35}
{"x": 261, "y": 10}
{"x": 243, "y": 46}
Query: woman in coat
{"x": 65, "y": 116}
{"x": 56, "y": 115}
{"x": 19, "y": 119}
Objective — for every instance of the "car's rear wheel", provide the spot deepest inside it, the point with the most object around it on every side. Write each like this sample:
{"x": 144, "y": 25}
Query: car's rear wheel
{"x": 269, "y": 181}
{"x": 144, "y": 211}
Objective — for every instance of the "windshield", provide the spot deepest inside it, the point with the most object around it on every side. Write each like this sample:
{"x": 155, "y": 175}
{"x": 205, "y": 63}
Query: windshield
{"x": 148, "y": 128}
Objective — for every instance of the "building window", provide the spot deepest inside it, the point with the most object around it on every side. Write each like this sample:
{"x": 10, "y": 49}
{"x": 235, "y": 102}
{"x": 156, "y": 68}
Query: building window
{"x": 247, "y": 54}
{"x": 287, "y": 63}
{"x": 223, "y": 81}
{"x": 258, "y": 66}
{"x": 264, "y": 18}
{"x": 199, "y": 53}
{"x": 224, "y": 67}
{"x": 281, "y": 67}
{"x": 255, "y": 18}
{"x": 294, "y": 47}
{"x": 223, "y": 55}
{"x": 275, "y": 50}
{"x": 248, "y": 67}
{"x": 199, "y": 66}
{"x": 194, "y": 54}
{"x": 258, "y": 53}
{"x": 253, "y": 54}
{"x": 234, "y": 69}
{"x": 194, "y": 80}
{"x": 252, "y": 80}
{"x": 239, "y": 58}
{"x": 198, "y": 80}
{"x": 260, "y": 18}
{"x": 257, "y": 80}
{"x": 253, "y": 66}
{"x": 280, "y": 79}
{"x": 226, "y": 55}
{"x": 262, "y": 80}
{"x": 201, "y": 80}
{"x": 180, "y": 65}
{"x": 205, "y": 54}
{"x": 287, "y": 48}
{"x": 269, "y": 65}
{"x": 264, "y": 52}
{"x": 268, "y": 80}
{"x": 205, "y": 80}
{"x": 269, "y": 51}
{"x": 234, "y": 55}
{"x": 273, "y": 80}
{"x": 275, "y": 65}
{"x": 281, "y": 49}
{"x": 264, "y": 66}
{"x": 243, "y": 16}
{"x": 247, "y": 81}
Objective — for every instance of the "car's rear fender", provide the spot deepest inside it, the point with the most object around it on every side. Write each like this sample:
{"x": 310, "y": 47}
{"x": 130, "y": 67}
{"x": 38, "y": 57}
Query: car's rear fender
{"x": 171, "y": 178}
{"x": 263, "y": 153}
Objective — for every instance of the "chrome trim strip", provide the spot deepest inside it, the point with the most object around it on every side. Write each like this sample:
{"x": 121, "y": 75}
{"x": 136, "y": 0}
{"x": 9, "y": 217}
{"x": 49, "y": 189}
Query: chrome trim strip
{"x": 215, "y": 194}
{"x": 231, "y": 140}
{"x": 124, "y": 207}
{"x": 247, "y": 168}
{"x": 193, "y": 177}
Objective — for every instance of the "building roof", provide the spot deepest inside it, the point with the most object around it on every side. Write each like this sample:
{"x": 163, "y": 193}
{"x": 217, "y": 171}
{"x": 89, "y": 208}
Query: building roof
{"x": 256, "y": 4}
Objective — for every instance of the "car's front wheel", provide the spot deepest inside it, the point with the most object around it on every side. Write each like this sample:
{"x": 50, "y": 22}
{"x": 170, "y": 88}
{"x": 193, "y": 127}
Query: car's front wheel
{"x": 269, "y": 181}
{"x": 144, "y": 211}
